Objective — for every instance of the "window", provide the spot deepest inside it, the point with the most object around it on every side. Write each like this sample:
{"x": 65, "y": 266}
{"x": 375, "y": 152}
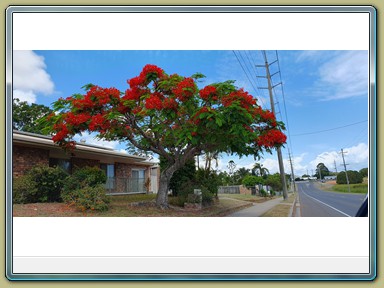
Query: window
{"x": 64, "y": 164}
{"x": 109, "y": 170}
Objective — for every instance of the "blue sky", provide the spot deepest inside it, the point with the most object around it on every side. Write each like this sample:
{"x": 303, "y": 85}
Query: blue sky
{"x": 321, "y": 90}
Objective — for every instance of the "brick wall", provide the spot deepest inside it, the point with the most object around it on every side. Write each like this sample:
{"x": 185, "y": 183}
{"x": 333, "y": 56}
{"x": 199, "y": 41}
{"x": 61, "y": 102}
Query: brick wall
{"x": 24, "y": 158}
{"x": 245, "y": 190}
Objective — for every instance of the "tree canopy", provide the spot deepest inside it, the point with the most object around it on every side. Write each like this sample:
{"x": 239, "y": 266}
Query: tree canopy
{"x": 25, "y": 116}
{"x": 171, "y": 116}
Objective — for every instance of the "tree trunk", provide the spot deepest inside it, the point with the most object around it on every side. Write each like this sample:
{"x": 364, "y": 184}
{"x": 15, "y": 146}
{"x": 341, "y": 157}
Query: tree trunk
{"x": 162, "y": 194}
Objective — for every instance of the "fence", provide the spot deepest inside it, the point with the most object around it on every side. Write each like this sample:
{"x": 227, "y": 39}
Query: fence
{"x": 229, "y": 190}
{"x": 118, "y": 185}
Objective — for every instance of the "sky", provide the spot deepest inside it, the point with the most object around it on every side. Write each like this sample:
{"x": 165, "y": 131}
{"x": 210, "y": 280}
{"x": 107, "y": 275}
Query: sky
{"x": 321, "y": 96}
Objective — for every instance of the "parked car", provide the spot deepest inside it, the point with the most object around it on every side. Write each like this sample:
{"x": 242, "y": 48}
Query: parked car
{"x": 363, "y": 210}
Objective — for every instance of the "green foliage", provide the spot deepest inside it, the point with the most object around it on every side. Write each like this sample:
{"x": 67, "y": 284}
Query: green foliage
{"x": 239, "y": 175}
{"x": 88, "y": 198}
{"x": 354, "y": 188}
{"x": 251, "y": 181}
{"x": 83, "y": 177}
{"x": 263, "y": 193}
{"x": 274, "y": 181}
{"x": 364, "y": 172}
{"x": 40, "y": 184}
{"x": 26, "y": 117}
{"x": 323, "y": 170}
{"x": 181, "y": 176}
{"x": 354, "y": 177}
{"x": 24, "y": 190}
{"x": 50, "y": 182}
{"x": 84, "y": 189}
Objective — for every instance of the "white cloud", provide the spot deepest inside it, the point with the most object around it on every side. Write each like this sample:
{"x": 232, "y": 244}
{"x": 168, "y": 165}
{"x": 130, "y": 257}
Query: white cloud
{"x": 356, "y": 157}
{"x": 344, "y": 76}
{"x": 27, "y": 96}
{"x": 30, "y": 76}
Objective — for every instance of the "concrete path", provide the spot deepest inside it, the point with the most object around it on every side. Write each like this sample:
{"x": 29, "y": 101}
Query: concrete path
{"x": 257, "y": 209}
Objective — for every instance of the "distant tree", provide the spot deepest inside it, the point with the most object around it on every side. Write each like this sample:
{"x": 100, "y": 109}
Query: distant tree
{"x": 274, "y": 181}
{"x": 209, "y": 157}
{"x": 364, "y": 172}
{"x": 224, "y": 178}
{"x": 354, "y": 177}
{"x": 240, "y": 174}
{"x": 321, "y": 171}
{"x": 25, "y": 116}
{"x": 259, "y": 170}
{"x": 305, "y": 176}
{"x": 251, "y": 181}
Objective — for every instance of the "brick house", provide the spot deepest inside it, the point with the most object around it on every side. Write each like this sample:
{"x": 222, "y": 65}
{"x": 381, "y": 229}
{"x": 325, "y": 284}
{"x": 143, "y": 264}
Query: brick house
{"x": 126, "y": 173}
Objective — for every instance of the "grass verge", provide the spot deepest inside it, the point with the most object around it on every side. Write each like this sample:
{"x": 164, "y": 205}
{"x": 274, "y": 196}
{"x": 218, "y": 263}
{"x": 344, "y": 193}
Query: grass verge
{"x": 361, "y": 188}
{"x": 281, "y": 210}
{"x": 248, "y": 198}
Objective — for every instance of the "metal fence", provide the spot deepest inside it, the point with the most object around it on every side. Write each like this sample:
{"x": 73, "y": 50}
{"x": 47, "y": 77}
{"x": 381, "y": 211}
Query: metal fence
{"x": 229, "y": 190}
{"x": 119, "y": 185}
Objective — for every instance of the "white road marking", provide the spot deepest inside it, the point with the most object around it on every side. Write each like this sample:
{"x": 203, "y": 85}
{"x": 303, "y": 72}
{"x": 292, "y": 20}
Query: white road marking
{"x": 327, "y": 205}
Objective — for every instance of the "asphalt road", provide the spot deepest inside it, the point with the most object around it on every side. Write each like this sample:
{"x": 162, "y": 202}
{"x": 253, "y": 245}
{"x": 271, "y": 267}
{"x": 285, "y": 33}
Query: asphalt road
{"x": 317, "y": 203}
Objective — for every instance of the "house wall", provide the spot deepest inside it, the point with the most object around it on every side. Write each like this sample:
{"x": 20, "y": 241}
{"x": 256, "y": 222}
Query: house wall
{"x": 25, "y": 158}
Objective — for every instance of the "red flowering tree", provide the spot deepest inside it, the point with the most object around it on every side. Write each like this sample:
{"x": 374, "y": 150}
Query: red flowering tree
{"x": 169, "y": 116}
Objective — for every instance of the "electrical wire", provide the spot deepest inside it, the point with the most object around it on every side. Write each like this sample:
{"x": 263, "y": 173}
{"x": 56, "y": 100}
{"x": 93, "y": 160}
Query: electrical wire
{"x": 331, "y": 129}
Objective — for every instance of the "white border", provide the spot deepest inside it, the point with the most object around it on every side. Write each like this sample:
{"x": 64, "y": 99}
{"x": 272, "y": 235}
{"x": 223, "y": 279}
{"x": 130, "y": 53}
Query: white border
{"x": 232, "y": 237}
{"x": 191, "y": 31}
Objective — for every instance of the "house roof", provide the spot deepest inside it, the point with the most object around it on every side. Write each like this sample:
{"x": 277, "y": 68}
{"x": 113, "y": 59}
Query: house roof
{"x": 82, "y": 150}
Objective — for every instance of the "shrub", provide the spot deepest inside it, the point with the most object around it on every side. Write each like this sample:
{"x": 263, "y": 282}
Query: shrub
{"x": 83, "y": 177}
{"x": 263, "y": 192}
{"x": 24, "y": 190}
{"x": 40, "y": 184}
{"x": 49, "y": 182}
{"x": 88, "y": 197}
{"x": 354, "y": 177}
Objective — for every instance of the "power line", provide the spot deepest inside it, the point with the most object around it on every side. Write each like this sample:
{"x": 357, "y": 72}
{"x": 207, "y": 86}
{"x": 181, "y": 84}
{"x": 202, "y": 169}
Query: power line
{"x": 246, "y": 74}
{"x": 321, "y": 131}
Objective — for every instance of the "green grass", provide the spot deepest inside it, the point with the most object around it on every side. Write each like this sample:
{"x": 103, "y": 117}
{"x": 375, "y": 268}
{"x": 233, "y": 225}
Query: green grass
{"x": 355, "y": 188}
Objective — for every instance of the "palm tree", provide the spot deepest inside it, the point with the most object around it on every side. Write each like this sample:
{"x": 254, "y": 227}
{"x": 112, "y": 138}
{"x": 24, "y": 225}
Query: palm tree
{"x": 209, "y": 157}
{"x": 259, "y": 170}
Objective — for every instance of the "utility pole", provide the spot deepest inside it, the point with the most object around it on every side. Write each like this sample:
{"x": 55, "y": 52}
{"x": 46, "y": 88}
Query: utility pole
{"x": 334, "y": 161}
{"x": 345, "y": 169}
{"x": 292, "y": 173}
{"x": 270, "y": 90}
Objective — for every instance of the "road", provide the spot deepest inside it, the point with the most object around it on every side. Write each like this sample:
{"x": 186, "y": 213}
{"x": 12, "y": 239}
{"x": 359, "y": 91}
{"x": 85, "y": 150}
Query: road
{"x": 317, "y": 203}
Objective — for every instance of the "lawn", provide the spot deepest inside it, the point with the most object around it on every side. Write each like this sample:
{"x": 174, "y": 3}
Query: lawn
{"x": 343, "y": 188}
{"x": 128, "y": 206}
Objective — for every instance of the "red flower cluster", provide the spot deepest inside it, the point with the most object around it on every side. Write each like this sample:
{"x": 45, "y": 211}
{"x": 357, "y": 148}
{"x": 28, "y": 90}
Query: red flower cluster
{"x": 244, "y": 98}
{"x": 154, "y": 102}
{"x": 185, "y": 89}
{"x": 142, "y": 79}
{"x": 78, "y": 119}
{"x": 271, "y": 138}
{"x": 62, "y": 132}
{"x": 102, "y": 95}
{"x": 170, "y": 103}
{"x": 97, "y": 122}
{"x": 208, "y": 92}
